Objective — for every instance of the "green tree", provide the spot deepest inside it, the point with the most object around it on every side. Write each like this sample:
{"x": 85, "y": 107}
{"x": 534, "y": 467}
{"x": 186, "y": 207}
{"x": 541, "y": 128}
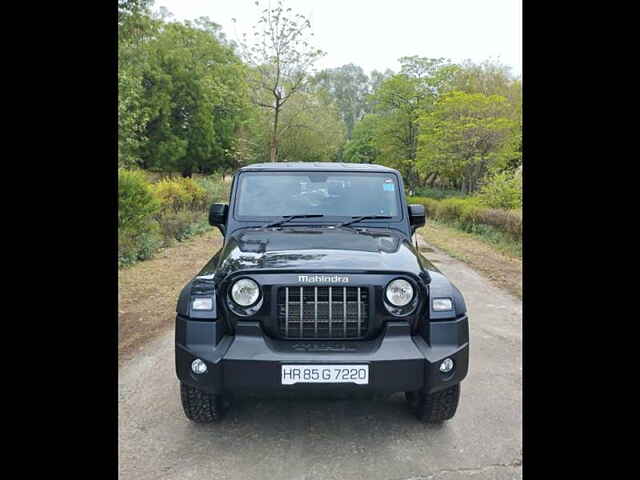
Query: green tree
{"x": 196, "y": 97}
{"x": 133, "y": 19}
{"x": 494, "y": 78}
{"x": 135, "y": 27}
{"x": 466, "y": 136}
{"x": 376, "y": 78}
{"x": 361, "y": 148}
{"x": 489, "y": 78}
{"x": 398, "y": 102}
{"x": 503, "y": 190}
{"x": 311, "y": 130}
{"x": 349, "y": 86}
{"x": 281, "y": 57}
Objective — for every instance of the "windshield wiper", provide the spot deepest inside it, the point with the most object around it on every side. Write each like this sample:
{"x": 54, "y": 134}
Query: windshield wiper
{"x": 359, "y": 219}
{"x": 290, "y": 217}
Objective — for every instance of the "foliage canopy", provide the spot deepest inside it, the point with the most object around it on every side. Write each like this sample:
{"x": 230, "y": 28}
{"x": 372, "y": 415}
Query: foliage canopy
{"x": 189, "y": 102}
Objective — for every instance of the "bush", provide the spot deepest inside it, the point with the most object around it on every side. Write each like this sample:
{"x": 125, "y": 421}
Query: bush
{"x": 176, "y": 194}
{"x": 138, "y": 232}
{"x": 134, "y": 246}
{"x": 509, "y": 221}
{"x": 217, "y": 190}
{"x": 197, "y": 196}
{"x": 136, "y": 203}
{"x": 437, "y": 193}
{"x": 174, "y": 226}
{"x": 151, "y": 216}
{"x": 468, "y": 213}
{"x": 198, "y": 227}
{"x": 183, "y": 203}
{"x": 503, "y": 190}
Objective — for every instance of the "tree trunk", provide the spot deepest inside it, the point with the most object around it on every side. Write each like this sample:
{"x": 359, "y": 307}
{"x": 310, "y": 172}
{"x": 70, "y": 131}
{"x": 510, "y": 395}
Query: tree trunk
{"x": 274, "y": 138}
{"x": 432, "y": 180}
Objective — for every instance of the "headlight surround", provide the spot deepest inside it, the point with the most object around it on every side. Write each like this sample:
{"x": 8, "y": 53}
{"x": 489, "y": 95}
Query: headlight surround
{"x": 399, "y": 292}
{"x": 245, "y": 292}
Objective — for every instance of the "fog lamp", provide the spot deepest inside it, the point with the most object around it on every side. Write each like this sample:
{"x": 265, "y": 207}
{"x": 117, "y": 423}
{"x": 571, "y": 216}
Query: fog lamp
{"x": 442, "y": 304}
{"x": 198, "y": 366}
{"x": 203, "y": 303}
{"x": 446, "y": 365}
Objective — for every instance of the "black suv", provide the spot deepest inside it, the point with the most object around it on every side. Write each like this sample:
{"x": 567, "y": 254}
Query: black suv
{"x": 318, "y": 286}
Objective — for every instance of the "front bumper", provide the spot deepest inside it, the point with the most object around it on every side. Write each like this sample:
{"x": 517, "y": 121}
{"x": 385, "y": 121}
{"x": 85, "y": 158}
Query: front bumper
{"x": 250, "y": 361}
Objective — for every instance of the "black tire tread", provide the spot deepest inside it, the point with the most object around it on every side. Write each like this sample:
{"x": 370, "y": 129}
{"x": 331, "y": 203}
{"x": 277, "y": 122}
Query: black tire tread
{"x": 199, "y": 406}
{"x": 438, "y": 406}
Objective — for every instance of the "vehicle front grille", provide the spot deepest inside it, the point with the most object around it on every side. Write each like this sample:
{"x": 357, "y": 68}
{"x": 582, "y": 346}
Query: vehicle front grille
{"x": 323, "y": 312}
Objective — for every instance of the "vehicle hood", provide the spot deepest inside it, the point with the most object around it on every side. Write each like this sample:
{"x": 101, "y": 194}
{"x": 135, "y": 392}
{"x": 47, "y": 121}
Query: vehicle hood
{"x": 315, "y": 249}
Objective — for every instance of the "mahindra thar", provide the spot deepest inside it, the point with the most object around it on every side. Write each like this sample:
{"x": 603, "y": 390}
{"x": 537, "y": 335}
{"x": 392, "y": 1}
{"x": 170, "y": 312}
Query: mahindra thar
{"x": 317, "y": 286}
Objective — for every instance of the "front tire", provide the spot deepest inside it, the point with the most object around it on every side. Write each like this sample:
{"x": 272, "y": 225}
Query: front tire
{"x": 200, "y": 406}
{"x": 436, "y": 407}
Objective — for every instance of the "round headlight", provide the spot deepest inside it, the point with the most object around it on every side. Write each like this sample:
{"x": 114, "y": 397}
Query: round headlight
{"x": 245, "y": 292}
{"x": 399, "y": 292}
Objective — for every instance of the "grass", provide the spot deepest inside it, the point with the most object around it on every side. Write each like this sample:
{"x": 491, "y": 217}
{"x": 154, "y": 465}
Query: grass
{"x": 499, "y": 240}
{"x": 500, "y": 262}
{"x": 148, "y": 291}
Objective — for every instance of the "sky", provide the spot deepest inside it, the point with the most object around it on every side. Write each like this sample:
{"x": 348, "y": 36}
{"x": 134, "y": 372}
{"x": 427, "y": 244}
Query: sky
{"x": 374, "y": 34}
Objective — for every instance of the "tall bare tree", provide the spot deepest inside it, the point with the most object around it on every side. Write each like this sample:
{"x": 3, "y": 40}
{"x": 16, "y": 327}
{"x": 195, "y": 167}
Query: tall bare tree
{"x": 281, "y": 57}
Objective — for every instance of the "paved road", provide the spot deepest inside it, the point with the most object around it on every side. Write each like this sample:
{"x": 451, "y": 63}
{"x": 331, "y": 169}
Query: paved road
{"x": 297, "y": 437}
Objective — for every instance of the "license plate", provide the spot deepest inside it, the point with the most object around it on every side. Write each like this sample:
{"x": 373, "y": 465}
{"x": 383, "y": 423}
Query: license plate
{"x": 325, "y": 374}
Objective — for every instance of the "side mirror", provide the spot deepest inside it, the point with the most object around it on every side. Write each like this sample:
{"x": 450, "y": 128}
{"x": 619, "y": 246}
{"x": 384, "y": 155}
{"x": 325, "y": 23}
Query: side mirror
{"x": 417, "y": 216}
{"x": 218, "y": 215}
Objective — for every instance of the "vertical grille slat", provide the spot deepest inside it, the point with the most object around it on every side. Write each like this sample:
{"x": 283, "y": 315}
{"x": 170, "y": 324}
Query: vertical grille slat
{"x": 319, "y": 312}
{"x": 301, "y": 310}
{"x": 315, "y": 305}
{"x": 286, "y": 314}
{"x": 359, "y": 314}
{"x": 330, "y": 313}
{"x": 344, "y": 310}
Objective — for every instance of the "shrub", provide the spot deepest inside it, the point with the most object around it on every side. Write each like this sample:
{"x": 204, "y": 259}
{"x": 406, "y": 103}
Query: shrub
{"x": 503, "y": 190}
{"x": 197, "y": 196}
{"x": 468, "y": 213}
{"x": 198, "y": 227}
{"x": 174, "y": 226}
{"x": 217, "y": 190}
{"x": 136, "y": 203}
{"x": 175, "y": 194}
{"x": 134, "y": 246}
{"x": 171, "y": 195}
{"x": 151, "y": 216}
{"x": 508, "y": 221}
{"x": 138, "y": 232}
{"x": 437, "y": 193}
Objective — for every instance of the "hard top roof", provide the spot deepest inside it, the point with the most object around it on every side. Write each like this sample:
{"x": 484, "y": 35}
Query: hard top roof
{"x": 319, "y": 166}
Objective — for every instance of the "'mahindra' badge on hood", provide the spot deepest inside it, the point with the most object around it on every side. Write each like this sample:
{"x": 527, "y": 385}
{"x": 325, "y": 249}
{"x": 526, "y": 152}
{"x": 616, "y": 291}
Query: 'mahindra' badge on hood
{"x": 323, "y": 279}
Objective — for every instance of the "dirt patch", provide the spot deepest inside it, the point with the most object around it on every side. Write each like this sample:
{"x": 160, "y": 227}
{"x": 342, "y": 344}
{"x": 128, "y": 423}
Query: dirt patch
{"x": 148, "y": 291}
{"x": 502, "y": 269}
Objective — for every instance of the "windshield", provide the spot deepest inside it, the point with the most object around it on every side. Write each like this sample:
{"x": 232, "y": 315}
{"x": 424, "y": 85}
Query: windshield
{"x": 276, "y": 194}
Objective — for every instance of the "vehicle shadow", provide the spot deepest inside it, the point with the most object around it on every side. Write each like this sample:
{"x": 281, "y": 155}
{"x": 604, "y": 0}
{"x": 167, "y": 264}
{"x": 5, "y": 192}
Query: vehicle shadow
{"x": 335, "y": 414}
{"x": 327, "y": 405}
{"x": 332, "y": 435}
